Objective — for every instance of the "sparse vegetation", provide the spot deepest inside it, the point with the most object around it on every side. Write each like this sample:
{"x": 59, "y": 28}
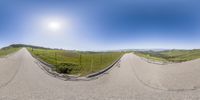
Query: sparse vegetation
{"x": 170, "y": 55}
{"x": 75, "y": 62}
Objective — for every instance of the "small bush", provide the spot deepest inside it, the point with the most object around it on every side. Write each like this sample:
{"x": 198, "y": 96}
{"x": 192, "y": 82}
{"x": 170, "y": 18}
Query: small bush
{"x": 66, "y": 68}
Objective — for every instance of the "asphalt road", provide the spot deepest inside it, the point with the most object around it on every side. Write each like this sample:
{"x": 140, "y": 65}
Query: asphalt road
{"x": 21, "y": 78}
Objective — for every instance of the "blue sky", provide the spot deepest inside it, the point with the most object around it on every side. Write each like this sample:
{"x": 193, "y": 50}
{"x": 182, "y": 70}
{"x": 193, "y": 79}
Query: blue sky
{"x": 101, "y": 25}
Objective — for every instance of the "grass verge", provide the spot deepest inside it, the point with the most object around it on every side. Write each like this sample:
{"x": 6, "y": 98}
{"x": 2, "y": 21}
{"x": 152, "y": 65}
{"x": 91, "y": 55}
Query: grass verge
{"x": 76, "y": 62}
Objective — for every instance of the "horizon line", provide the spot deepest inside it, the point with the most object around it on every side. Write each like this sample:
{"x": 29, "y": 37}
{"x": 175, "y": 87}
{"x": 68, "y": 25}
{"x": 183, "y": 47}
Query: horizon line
{"x": 122, "y": 49}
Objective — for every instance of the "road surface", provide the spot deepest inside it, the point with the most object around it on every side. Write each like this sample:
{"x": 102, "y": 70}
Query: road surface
{"x": 21, "y": 78}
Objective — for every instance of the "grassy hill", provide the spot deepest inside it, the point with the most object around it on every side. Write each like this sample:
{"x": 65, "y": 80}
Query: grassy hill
{"x": 76, "y": 62}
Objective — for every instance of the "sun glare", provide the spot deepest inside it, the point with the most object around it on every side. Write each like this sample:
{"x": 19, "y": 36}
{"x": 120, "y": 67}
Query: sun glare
{"x": 54, "y": 26}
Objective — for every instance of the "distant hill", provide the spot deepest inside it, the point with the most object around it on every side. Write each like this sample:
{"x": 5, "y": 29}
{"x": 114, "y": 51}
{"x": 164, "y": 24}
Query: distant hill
{"x": 24, "y": 45}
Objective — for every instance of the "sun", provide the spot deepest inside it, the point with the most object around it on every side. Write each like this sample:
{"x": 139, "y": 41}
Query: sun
{"x": 54, "y": 25}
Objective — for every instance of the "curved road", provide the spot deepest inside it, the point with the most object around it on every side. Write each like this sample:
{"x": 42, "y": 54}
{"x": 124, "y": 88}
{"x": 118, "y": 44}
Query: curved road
{"x": 22, "y": 79}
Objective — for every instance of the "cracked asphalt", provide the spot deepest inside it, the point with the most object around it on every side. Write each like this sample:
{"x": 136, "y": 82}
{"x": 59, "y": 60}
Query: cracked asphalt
{"x": 22, "y": 79}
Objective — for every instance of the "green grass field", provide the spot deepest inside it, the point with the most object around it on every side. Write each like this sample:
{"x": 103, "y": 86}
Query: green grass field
{"x": 76, "y": 62}
{"x": 8, "y": 50}
{"x": 171, "y": 55}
